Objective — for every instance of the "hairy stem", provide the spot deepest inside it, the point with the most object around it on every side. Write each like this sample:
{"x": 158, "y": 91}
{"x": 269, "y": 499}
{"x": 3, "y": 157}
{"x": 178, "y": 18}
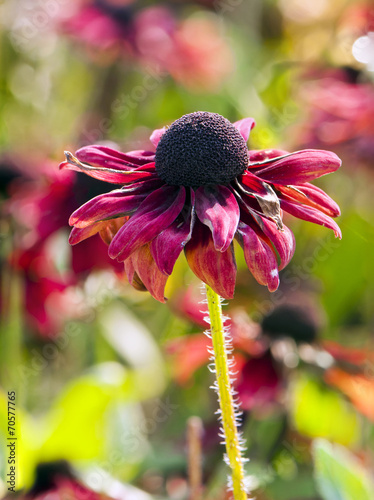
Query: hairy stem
{"x": 233, "y": 449}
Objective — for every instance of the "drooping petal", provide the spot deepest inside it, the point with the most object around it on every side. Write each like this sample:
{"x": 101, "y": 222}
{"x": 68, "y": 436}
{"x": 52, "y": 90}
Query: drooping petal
{"x": 103, "y": 156}
{"x": 259, "y": 256}
{"x": 267, "y": 200}
{"x": 107, "y": 174}
{"x": 106, "y": 206}
{"x": 79, "y": 234}
{"x": 283, "y": 240}
{"x": 217, "y": 269}
{"x": 167, "y": 246}
{"x": 154, "y": 215}
{"x": 244, "y": 127}
{"x": 311, "y": 214}
{"x": 299, "y": 167}
{"x": 217, "y": 208}
{"x": 156, "y": 136}
{"x": 307, "y": 194}
{"x": 111, "y": 229}
{"x": 144, "y": 268}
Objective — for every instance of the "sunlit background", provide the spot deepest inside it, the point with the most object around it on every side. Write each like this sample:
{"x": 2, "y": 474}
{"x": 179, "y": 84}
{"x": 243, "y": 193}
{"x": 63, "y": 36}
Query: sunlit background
{"x": 106, "y": 377}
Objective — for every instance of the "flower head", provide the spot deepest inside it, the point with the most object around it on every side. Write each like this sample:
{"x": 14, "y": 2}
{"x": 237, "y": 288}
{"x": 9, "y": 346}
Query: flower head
{"x": 198, "y": 191}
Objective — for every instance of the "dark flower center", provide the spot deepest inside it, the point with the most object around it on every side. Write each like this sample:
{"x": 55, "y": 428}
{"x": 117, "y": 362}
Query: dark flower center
{"x": 201, "y": 149}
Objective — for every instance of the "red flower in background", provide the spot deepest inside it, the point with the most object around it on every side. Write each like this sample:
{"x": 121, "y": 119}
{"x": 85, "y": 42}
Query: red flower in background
{"x": 201, "y": 189}
{"x": 341, "y": 114}
{"x": 41, "y": 208}
{"x": 193, "y": 51}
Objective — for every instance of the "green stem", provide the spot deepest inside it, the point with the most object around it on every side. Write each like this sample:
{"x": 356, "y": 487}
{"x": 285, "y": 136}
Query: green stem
{"x": 235, "y": 459}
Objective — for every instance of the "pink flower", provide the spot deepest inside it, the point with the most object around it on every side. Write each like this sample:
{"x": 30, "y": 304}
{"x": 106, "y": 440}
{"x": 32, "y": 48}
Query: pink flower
{"x": 198, "y": 191}
{"x": 341, "y": 115}
{"x": 192, "y": 51}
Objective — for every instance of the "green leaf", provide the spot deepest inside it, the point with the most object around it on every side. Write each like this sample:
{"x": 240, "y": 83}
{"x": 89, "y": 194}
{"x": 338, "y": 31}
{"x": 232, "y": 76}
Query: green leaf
{"x": 339, "y": 475}
{"x": 321, "y": 412}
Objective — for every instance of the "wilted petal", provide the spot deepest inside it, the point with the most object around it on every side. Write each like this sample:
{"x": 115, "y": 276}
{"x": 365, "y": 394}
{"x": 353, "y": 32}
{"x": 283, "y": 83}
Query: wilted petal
{"x": 103, "y": 156}
{"x": 167, "y": 246}
{"x": 217, "y": 269}
{"x": 107, "y": 174}
{"x": 283, "y": 241}
{"x": 106, "y": 206}
{"x": 156, "y": 136}
{"x": 154, "y": 215}
{"x": 311, "y": 214}
{"x": 217, "y": 208}
{"x": 307, "y": 194}
{"x": 111, "y": 229}
{"x": 244, "y": 127}
{"x": 299, "y": 167}
{"x": 259, "y": 256}
{"x": 145, "y": 271}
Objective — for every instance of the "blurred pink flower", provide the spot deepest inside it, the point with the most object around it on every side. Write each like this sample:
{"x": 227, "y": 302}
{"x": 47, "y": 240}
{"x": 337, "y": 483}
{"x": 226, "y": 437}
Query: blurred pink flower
{"x": 193, "y": 51}
{"x": 201, "y": 189}
{"x": 341, "y": 115}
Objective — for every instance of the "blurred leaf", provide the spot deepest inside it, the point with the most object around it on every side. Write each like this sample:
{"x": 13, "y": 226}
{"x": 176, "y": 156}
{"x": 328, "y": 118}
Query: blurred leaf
{"x": 320, "y": 412}
{"x": 339, "y": 475}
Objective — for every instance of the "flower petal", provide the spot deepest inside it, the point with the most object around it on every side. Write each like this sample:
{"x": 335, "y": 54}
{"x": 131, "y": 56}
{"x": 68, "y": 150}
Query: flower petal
{"x": 312, "y": 215}
{"x": 307, "y": 194}
{"x": 167, "y": 246}
{"x": 156, "y": 136}
{"x": 117, "y": 203}
{"x": 259, "y": 257}
{"x": 154, "y": 215}
{"x": 265, "y": 155}
{"x": 299, "y": 167}
{"x": 143, "y": 269}
{"x": 102, "y": 156}
{"x": 107, "y": 174}
{"x": 217, "y": 269}
{"x": 217, "y": 208}
{"x": 106, "y": 206}
{"x": 244, "y": 127}
{"x": 283, "y": 240}
{"x": 79, "y": 234}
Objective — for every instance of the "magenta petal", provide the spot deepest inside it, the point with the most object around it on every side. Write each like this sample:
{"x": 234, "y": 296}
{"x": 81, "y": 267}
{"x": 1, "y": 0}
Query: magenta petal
{"x": 217, "y": 269}
{"x": 263, "y": 155}
{"x": 154, "y": 215}
{"x": 141, "y": 269}
{"x": 217, "y": 208}
{"x": 283, "y": 241}
{"x": 156, "y": 136}
{"x": 259, "y": 257}
{"x": 311, "y": 214}
{"x": 253, "y": 185}
{"x": 167, "y": 246}
{"x": 299, "y": 167}
{"x": 102, "y": 156}
{"x": 307, "y": 194}
{"x": 104, "y": 207}
{"x": 244, "y": 127}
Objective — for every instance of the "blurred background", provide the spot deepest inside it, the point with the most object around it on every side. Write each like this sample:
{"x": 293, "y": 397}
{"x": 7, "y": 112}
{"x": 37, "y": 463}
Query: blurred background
{"x": 105, "y": 377}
